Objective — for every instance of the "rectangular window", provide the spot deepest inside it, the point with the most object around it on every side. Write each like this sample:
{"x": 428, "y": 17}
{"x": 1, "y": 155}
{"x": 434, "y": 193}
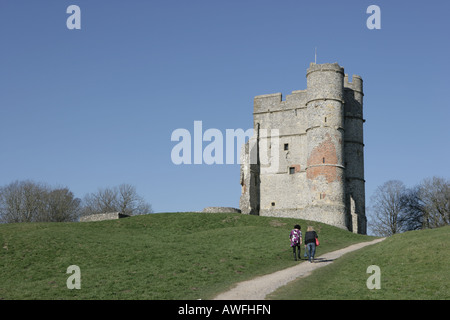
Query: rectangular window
{"x": 286, "y": 146}
{"x": 291, "y": 170}
{"x": 273, "y": 204}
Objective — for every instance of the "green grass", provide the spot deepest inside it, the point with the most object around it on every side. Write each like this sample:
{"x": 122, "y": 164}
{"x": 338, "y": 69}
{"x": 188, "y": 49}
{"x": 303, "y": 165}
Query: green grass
{"x": 158, "y": 256}
{"x": 414, "y": 265}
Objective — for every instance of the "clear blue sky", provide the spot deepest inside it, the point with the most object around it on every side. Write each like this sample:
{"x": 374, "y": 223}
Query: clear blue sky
{"x": 96, "y": 107}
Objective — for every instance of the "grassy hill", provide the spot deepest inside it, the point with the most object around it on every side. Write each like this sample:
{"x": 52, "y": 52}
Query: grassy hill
{"x": 158, "y": 256}
{"x": 413, "y": 265}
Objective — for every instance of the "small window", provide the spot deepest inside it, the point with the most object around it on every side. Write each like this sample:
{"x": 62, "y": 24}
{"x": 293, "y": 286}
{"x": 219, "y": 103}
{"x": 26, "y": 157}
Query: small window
{"x": 286, "y": 146}
{"x": 291, "y": 170}
{"x": 325, "y": 119}
{"x": 323, "y": 160}
{"x": 273, "y": 204}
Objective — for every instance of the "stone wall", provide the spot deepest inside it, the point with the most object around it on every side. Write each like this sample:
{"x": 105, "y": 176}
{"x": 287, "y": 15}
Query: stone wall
{"x": 103, "y": 216}
{"x": 221, "y": 210}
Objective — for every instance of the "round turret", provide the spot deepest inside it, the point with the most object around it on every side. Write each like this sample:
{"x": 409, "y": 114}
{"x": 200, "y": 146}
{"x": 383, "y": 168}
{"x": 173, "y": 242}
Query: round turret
{"x": 357, "y": 82}
{"x": 325, "y": 142}
{"x": 325, "y": 81}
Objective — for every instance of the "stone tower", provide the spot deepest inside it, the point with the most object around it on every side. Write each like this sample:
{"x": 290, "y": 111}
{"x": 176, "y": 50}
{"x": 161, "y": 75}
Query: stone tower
{"x": 306, "y": 158}
{"x": 325, "y": 172}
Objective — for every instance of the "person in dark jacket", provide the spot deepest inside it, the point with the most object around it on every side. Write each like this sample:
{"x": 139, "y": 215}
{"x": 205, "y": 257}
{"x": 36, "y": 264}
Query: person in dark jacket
{"x": 310, "y": 243}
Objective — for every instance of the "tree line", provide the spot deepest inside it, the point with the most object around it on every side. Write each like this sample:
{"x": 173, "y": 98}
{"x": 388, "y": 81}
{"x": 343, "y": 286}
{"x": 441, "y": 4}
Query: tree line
{"x": 29, "y": 201}
{"x": 396, "y": 208}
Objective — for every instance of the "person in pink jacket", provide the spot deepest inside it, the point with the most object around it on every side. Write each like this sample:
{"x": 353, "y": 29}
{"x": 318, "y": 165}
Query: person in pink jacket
{"x": 296, "y": 240}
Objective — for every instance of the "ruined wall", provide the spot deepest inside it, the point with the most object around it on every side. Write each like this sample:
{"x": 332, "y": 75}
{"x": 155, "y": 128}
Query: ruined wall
{"x": 103, "y": 216}
{"x": 249, "y": 203}
{"x": 220, "y": 210}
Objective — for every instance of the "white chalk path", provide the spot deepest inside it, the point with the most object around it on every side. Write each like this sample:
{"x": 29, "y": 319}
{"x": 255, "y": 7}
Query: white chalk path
{"x": 258, "y": 288}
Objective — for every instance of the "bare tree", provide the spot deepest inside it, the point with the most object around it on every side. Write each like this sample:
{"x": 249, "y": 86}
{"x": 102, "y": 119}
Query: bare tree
{"x": 123, "y": 199}
{"x": 388, "y": 208}
{"x": 11, "y": 203}
{"x": 105, "y": 200}
{"x": 398, "y": 209}
{"x": 435, "y": 195}
{"x": 413, "y": 206}
{"x": 28, "y": 201}
{"x": 130, "y": 202}
{"x": 61, "y": 205}
{"x": 21, "y": 201}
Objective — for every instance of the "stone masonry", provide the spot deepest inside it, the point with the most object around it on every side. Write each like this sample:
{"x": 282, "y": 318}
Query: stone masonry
{"x": 306, "y": 157}
{"x": 220, "y": 210}
{"x": 103, "y": 216}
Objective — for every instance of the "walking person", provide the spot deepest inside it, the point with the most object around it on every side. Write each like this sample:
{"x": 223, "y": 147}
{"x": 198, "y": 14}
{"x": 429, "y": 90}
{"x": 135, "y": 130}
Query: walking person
{"x": 296, "y": 240}
{"x": 310, "y": 243}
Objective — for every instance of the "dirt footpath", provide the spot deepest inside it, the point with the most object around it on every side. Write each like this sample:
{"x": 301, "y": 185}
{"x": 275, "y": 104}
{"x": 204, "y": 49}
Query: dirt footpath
{"x": 258, "y": 288}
